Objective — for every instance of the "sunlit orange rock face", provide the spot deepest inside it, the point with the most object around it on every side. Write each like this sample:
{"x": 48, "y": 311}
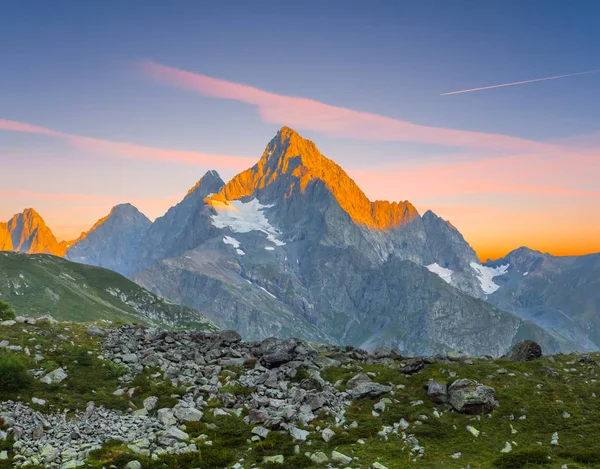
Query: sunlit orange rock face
{"x": 27, "y": 232}
{"x": 299, "y": 161}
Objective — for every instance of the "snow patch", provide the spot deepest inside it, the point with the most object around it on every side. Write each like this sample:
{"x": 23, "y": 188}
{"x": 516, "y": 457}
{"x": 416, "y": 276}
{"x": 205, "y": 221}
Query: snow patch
{"x": 444, "y": 274}
{"x": 268, "y": 293}
{"x": 269, "y": 248}
{"x": 229, "y": 240}
{"x": 243, "y": 217}
{"x": 526, "y": 273}
{"x": 240, "y": 252}
{"x": 487, "y": 274}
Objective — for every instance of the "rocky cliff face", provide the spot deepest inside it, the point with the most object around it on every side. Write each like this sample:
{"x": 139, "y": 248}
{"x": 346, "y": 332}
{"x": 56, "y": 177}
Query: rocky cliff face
{"x": 113, "y": 242}
{"x": 27, "y": 232}
{"x": 560, "y": 294}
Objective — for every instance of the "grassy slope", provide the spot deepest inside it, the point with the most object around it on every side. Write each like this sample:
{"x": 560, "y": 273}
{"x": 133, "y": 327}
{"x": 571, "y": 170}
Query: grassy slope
{"x": 40, "y": 284}
{"x": 572, "y": 391}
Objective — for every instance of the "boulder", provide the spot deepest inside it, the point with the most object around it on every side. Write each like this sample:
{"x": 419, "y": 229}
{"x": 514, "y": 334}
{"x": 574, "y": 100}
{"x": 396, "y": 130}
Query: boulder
{"x": 166, "y": 417}
{"x": 230, "y": 337}
{"x": 525, "y": 351}
{"x": 150, "y": 403}
{"x": 340, "y": 457}
{"x": 356, "y": 380}
{"x": 176, "y": 433}
{"x": 369, "y": 389}
{"x": 187, "y": 414}
{"x": 412, "y": 366}
{"x": 437, "y": 392}
{"x": 469, "y": 397}
{"x": 95, "y": 331}
{"x": 277, "y": 352}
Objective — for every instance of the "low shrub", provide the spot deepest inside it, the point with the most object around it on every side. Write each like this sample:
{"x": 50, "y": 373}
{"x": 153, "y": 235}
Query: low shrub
{"x": 6, "y": 312}
{"x": 13, "y": 373}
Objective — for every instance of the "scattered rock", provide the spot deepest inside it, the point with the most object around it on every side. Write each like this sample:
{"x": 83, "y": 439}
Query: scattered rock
{"x": 341, "y": 458}
{"x": 187, "y": 414}
{"x": 507, "y": 448}
{"x": 524, "y": 351}
{"x": 370, "y": 389}
{"x": 327, "y": 434}
{"x": 150, "y": 403}
{"x": 413, "y": 365}
{"x": 176, "y": 433}
{"x": 319, "y": 458}
{"x": 360, "y": 378}
{"x": 95, "y": 331}
{"x": 298, "y": 434}
{"x": 54, "y": 377}
{"x": 469, "y": 397}
{"x": 437, "y": 392}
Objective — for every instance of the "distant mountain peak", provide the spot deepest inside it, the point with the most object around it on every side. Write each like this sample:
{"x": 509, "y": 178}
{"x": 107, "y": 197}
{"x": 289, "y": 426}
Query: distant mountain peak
{"x": 27, "y": 232}
{"x": 298, "y": 162}
{"x": 210, "y": 183}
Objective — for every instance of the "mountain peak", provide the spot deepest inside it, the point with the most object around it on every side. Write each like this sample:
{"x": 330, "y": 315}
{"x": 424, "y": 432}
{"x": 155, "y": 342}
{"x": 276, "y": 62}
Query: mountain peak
{"x": 290, "y": 163}
{"x": 28, "y": 233}
{"x": 210, "y": 183}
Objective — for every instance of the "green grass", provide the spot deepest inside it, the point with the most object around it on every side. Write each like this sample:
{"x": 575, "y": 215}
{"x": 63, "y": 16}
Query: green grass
{"x": 92, "y": 379}
{"x": 40, "y": 284}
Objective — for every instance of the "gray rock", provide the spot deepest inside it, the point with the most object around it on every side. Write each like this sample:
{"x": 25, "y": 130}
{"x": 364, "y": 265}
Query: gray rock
{"x": 277, "y": 351}
{"x": 298, "y": 434}
{"x": 437, "y": 392}
{"x": 260, "y": 431}
{"x": 319, "y": 458}
{"x": 412, "y": 366}
{"x": 360, "y": 378}
{"x": 469, "y": 397}
{"x": 133, "y": 465}
{"x": 340, "y": 457}
{"x": 54, "y": 377}
{"x": 95, "y": 331}
{"x": 129, "y": 358}
{"x": 371, "y": 389}
{"x": 166, "y": 417}
{"x": 150, "y": 403}
{"x": 327, "y": 434}
{"x": 176, "y": 433}
{"x": 524, "y": 351}
{"x": 187, "y": 414}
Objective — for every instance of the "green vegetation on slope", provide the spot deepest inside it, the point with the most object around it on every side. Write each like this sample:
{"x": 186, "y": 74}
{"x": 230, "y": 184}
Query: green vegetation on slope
{"x": 6, "y": 312}
{"x": 43, "y": 284}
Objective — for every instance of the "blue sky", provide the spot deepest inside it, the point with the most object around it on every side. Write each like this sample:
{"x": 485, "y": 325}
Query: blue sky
{"x": 73, "y": 67}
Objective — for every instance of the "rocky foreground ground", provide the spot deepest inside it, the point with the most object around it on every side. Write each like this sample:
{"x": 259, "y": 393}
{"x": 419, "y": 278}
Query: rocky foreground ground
{"x": 96, "y": 396}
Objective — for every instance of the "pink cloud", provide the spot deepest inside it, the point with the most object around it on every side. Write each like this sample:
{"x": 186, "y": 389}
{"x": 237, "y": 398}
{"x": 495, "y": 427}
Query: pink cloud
{"x": 131, "y": 151}
{"x": 334, "y": 121}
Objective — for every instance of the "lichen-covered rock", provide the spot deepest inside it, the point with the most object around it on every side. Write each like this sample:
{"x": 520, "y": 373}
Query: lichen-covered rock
{"x": 469, "y": 397}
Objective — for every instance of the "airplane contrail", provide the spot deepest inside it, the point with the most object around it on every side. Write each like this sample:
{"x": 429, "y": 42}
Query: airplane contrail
{"x": 519, "y": 82}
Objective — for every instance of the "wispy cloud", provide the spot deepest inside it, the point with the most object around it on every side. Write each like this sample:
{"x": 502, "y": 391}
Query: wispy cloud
{"x": 514, "y": 83}
{"x": 133, "y": 151}
{"x": 335, "y": 121}
{"x": 85, "y": 198}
